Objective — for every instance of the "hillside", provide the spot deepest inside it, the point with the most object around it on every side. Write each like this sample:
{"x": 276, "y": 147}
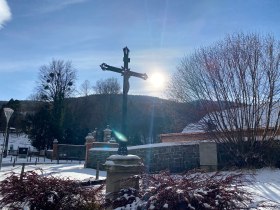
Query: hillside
{"x": 147, "y": 116}
{"x": 106, "y": 109}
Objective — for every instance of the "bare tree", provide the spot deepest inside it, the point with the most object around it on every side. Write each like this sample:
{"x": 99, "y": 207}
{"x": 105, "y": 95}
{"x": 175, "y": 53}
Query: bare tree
{"x": 240, "y": 76}
{"x": 108, "y": 86}
{"x": 56, "y": 82}
{"x": 85, "y": 88}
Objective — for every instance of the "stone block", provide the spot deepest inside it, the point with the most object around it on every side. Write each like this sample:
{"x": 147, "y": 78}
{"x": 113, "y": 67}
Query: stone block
{"x": 208, "y": 154}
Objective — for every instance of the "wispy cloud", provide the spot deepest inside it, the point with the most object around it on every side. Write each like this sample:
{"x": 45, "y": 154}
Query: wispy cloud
{"x": 5, "y": 13}
{"x": 51, "y": 5}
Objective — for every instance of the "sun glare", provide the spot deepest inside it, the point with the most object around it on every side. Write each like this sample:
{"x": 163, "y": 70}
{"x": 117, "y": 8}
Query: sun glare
{"x": 157, "y": 80}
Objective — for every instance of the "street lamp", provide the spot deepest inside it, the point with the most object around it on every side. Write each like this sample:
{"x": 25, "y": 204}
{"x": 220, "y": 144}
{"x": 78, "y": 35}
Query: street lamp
{"x": 8, "y": 113}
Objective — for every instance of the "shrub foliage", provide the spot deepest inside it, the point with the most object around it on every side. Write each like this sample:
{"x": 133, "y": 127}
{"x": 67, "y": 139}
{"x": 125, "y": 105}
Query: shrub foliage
{"x": 48, "y": 193}
{"x": 190, "y": 191}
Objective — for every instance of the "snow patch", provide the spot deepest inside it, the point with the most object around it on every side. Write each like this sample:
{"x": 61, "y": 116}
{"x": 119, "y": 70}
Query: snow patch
{"x": 123, "y": 157}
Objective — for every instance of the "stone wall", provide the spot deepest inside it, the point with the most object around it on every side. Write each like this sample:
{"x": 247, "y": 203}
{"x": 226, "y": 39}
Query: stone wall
{"x": 104, "y": 146}
{"x": 184, "y": 137}
{"x": 175, "y": 157}
{"x": 180, "y": 156}
{"x": 198, "y": 136}
{"x": 99, "y": 155}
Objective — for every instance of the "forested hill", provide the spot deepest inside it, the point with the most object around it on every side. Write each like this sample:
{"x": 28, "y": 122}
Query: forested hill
{"x": 147, "y": 116}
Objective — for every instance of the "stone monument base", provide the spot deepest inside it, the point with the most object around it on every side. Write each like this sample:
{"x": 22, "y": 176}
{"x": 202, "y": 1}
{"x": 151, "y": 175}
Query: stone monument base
{"x": 120, "y": 171}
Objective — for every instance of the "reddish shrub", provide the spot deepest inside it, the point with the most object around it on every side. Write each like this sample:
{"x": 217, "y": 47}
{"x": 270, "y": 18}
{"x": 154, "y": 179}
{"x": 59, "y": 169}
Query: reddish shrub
{"x": 124, "y": 197}
{"x": 193, "y": 190}
{"x": 41, "y": 192}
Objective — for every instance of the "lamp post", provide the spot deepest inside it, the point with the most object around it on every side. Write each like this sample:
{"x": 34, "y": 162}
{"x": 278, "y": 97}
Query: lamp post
{"x": 8, "y": 113}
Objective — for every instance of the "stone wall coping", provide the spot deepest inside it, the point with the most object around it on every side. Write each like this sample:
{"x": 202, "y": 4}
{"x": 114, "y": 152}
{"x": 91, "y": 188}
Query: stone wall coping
{"x": 183, "y": 134}
{"x": 197, "y": 133}
{"x": 148, "y": 146}
{"x": 167, "y": 144}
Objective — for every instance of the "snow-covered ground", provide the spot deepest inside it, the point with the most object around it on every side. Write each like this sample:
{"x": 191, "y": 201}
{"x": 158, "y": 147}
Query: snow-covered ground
{"x": 72, "y": 171}
{"x": 264, "y": 184}
{"x": 16, "y": 141}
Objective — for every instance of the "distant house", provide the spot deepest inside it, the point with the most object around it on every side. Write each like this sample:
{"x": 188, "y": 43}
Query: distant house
{"x": 239, "y": 120}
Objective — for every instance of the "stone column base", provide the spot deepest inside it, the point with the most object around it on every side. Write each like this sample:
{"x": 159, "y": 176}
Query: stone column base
{"x": 120, "y": 169}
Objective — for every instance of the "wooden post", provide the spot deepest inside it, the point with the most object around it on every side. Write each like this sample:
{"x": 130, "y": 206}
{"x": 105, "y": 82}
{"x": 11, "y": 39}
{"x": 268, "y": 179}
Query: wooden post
{"x": 55, "y": 149}
{"x": 97, "y": 171}
{"x": 22, "y": 171}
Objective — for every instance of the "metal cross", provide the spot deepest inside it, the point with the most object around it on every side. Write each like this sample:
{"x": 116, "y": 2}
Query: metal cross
{"x": 126, "y": 73}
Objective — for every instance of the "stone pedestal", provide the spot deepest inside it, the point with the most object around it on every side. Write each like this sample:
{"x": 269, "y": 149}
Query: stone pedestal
{"x": 107, "y": 134}
{"x": 120, "y": 169}
{"x": 208, "y": 156}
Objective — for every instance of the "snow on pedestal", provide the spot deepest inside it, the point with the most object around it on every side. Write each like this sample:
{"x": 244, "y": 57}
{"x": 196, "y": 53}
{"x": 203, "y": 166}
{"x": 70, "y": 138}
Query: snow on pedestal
{"x": 120, "y": 170}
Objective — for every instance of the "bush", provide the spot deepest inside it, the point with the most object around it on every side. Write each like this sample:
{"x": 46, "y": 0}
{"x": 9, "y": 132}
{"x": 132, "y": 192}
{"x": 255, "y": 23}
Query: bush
{"x": 265, "y": 153}
{"x": 48, "y": 193}
{"x": 193, "y": 190}
{"x": 125, "y": 197}
{"x": 189, "y": 191}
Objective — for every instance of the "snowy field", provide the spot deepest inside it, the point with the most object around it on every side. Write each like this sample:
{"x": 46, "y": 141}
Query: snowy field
{"x": 35, "y": 160}
{"x": 72, "y": 171}
{"x": 264, "y": 184}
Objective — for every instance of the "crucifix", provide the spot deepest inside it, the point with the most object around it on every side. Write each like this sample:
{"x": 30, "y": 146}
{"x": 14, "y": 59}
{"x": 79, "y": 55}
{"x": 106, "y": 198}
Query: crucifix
{"x": 126, "y": 73}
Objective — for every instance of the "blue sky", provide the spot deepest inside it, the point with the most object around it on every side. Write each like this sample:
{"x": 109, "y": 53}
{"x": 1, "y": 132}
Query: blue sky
{"x": 159, "y": 33}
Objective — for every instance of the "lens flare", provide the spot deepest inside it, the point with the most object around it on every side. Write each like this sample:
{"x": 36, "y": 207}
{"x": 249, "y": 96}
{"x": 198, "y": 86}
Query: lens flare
{"x": 120, "y": 136}
{"x": 157, "y": 80}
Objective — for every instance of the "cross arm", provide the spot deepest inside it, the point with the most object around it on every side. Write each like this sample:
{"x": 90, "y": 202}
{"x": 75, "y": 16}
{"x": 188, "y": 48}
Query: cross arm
{"x": 139, "y": 75}
{"x": 106, "y": 67}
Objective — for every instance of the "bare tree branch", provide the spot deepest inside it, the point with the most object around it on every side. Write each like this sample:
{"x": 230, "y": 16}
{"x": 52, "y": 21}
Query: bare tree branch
{"x": 241, "y": 75}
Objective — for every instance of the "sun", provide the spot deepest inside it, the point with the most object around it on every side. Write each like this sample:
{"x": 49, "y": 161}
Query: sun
{"x": 157, "y": 80}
